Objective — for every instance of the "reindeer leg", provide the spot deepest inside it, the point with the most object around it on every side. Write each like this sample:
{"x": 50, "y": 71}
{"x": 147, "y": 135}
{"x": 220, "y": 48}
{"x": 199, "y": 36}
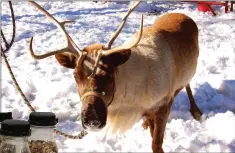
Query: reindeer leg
{"x": 195, "y": 111}
{"x": 160, "y": 120}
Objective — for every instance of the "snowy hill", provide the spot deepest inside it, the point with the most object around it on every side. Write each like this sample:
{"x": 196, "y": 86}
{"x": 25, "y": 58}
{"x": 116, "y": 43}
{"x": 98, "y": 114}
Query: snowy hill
{"x": 51, "y": 87}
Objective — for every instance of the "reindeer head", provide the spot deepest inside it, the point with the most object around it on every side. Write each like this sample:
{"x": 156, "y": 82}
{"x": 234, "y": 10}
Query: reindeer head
{"x": 94, "y": 70}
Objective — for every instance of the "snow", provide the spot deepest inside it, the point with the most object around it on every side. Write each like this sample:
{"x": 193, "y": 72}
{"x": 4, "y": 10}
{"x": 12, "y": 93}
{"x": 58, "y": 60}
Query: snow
{"x": 51, "y": 87}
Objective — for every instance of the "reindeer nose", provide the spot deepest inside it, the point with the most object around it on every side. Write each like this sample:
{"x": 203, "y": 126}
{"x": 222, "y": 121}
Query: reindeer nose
{"x": 92, "y": 121}
{"x": 91, "y": 124}
{"x": 94, "y": 113}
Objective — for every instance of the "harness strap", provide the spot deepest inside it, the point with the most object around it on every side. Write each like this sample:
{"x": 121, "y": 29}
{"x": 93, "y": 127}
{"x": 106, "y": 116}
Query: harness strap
{"x": 97, "y": 94}
{"x": 100, "y": 94}
{"x": 91, "y": 93}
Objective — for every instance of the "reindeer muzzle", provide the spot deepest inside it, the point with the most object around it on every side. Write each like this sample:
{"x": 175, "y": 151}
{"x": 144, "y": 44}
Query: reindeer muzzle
{"x": 94, "y": 111}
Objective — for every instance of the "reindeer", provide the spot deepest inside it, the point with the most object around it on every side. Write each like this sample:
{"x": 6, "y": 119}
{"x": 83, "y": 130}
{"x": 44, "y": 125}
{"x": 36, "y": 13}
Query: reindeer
{"x": 138, "y": 79}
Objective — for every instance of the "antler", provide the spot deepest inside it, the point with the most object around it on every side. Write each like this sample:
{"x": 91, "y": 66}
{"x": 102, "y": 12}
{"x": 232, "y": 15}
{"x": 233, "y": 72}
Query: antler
{"x": 102, "y": 53}
{"x": 8, "y": 45}
{"x": 70, "y": 47}
{"x": 126, "y": 46}
{"x": 115, "y": 35}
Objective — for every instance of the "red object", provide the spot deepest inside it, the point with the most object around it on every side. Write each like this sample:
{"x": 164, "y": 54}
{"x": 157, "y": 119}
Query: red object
{"x": 206, "y": 6}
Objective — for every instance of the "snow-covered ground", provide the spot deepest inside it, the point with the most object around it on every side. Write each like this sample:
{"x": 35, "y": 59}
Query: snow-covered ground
{"x": 51, "y": 87}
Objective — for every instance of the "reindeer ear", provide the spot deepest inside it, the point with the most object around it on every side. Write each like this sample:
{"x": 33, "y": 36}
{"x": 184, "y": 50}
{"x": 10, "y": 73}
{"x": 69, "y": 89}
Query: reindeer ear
{"x": 66, "y": 59}
{"x": 118, "y": 58}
